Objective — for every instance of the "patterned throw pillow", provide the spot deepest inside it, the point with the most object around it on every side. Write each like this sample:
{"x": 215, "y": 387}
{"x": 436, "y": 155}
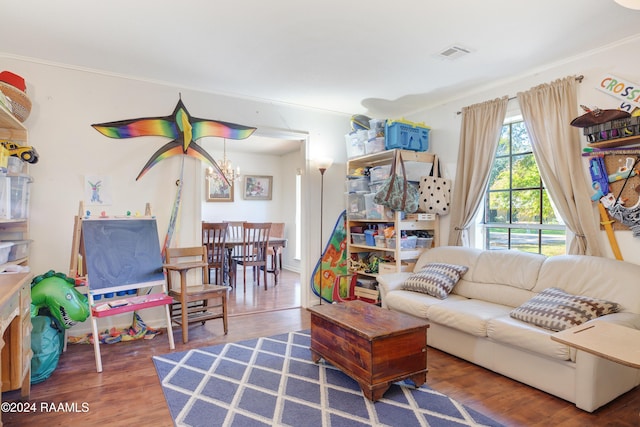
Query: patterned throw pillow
{"x": 435, "y": 279}
{"x": 556, "y": 310}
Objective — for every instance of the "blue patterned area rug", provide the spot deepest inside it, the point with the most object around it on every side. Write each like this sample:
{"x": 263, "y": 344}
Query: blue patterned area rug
{"x": 273, "y": 382}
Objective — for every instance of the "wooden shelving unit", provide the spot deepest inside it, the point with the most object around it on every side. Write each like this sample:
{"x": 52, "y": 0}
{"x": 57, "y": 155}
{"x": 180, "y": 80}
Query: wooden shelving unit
{"x": 617, "y": 142}
{"x": 15, "y": 302}
{"x": 413, "y": 222}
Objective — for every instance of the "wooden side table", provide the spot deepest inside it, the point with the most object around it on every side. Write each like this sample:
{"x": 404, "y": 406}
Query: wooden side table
{"x": 374, "y": 346}
{"x": 607, "y": 340}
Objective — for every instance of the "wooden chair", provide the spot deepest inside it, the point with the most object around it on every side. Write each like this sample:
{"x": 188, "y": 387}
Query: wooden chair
{"x": 182, "y": 260}
{"x": 254, "y": 250}
{"x": 214, "y": 236}
{"x": 234, "y": 233}
{"x": 277, "y": 230}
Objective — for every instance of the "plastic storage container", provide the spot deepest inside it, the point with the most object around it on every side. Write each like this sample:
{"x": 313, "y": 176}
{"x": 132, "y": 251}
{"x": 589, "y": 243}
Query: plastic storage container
{"x": 380, "y": 242}
{"x": 14, "y": 165}
{"x": 357, "y": 238}
{"x": 424, "y": 242}
{"x": 406, "y": 135}
{"x": 369, "y": 237}
{"x": 5, "y": 249}
{"x": 356, "y": 208}
{"x": 405, "y": 242}
{"x": 356, "y": 142}
{"x": 379, "y": 173}
{"x": 355, "y": 145}
{"x": 376, "y": 127}
{"x": 14, "y": 197}
{"x": 374, "y": 145}
{"x": 20, "y": 249}
{"x": 358, "y": 184}
{"x": 374, "y": 210}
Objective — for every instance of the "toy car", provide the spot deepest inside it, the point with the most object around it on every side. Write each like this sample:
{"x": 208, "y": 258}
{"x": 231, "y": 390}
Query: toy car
{"x": 24, "y": 152}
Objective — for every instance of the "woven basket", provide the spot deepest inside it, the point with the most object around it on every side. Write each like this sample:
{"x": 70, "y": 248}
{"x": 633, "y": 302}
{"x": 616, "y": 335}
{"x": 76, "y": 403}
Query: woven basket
{"x": 20, "y": 103}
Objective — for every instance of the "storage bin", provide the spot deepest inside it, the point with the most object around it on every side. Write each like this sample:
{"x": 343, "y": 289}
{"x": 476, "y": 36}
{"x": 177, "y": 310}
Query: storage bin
{"x": 355, "y": 145}
{"x": 376, "y": 127}
{"x": 374, "y": 145}
{"x": 406, "y": 135}
{"x": 356, "y": 206}
{"x": 405, "y": 242}
{"x": 14, "y": 165}
{"x": 373, "y": 210}
{"x": 380, "y": 242}
{"x": 358, "y": 184}
{"x": 14, "y": 197}
{"x": 379, "y": 173}
{"x": 357, "y": 238}
{"x": 424, "y": 242}
{"x": 369, "y": 237}
{"x": 20, "y": 249}
{"x": 5, "y": 249}
{"x": 373, "y": 188}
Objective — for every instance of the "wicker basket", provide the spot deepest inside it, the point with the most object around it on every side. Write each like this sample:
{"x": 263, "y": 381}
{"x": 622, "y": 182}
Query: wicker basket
{"x": 20, "y": 102}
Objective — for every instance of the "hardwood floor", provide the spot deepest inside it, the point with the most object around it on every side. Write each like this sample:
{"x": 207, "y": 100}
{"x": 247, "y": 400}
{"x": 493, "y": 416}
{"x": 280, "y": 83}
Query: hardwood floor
{"x": 127, "y": 392}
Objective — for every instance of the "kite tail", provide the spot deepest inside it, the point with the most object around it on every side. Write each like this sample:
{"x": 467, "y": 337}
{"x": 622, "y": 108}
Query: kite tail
{"x": 175, "y": 213}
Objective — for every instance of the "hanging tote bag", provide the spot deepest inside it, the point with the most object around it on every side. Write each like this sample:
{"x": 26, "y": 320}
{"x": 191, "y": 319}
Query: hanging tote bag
{"x": 435, "y": 193}
{"x": 396, "y": 192}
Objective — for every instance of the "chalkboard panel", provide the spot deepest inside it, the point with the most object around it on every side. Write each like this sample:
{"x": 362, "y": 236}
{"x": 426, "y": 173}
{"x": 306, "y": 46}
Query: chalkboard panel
{"x": 122, "y": 254}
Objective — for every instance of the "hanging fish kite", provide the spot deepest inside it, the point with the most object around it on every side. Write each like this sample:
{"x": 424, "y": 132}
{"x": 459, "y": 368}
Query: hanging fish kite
{"x": 182, "y": 128}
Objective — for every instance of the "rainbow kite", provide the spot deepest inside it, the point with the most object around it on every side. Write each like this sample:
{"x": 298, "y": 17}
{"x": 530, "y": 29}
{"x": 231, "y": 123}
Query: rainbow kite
{"x": 182, "y": 128}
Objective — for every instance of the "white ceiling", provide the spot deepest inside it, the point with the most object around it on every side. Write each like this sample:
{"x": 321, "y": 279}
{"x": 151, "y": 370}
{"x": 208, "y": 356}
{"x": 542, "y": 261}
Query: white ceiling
{"x": 372, "y": 57}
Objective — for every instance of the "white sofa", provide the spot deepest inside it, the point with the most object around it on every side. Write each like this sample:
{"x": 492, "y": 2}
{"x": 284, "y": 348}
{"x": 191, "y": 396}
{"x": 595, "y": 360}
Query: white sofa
{"x": 473, "y": 322}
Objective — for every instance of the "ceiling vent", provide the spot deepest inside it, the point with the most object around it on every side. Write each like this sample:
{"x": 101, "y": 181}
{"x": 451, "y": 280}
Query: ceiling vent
{"x": 454, "y": 52}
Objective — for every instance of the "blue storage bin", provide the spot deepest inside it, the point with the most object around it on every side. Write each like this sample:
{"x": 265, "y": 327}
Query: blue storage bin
{"x": 406, "y": 135}
{"x": 369, "y": 237}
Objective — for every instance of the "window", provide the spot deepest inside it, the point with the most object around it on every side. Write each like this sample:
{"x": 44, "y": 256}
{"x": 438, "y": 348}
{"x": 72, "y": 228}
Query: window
{"x": 518, "y": 213}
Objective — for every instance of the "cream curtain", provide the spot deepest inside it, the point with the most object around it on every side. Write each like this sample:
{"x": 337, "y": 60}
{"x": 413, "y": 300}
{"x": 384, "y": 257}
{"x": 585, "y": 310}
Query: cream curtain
{"x": 479, "y": 134}
{"x": 547, "y": 110}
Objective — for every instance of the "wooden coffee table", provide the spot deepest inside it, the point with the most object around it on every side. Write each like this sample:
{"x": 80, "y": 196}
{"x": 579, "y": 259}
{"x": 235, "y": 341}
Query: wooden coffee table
{"x": 374, "y": 346}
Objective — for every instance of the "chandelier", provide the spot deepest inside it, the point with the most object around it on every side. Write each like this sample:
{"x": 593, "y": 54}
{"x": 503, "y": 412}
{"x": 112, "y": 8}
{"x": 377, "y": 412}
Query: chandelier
{"x": 226, "y": 167}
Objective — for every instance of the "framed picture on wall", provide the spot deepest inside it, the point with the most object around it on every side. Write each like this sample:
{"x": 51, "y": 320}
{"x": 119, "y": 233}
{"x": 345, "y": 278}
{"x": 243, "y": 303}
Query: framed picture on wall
{"x": 217, "y": 188}
{"x": 257, "y": 187}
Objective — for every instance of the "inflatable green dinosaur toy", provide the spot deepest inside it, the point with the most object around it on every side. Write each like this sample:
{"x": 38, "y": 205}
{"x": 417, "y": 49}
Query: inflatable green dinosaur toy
{"x": 57, "y": 292}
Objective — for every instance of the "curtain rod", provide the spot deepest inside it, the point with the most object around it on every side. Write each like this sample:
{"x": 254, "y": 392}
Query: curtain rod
{"x": 511, "y": 98}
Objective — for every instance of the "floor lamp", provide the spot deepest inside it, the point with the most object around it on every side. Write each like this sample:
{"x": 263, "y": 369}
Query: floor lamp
{"x": 323, "y": 165}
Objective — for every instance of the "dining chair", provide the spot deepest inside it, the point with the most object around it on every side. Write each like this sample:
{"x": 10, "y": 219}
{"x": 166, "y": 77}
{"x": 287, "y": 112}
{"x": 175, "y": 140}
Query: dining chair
{"x": 255, "y": 241}
{"x": 214, "y": 237}
{"x": 182, "y": 261}
{"x": 234, "y": 234}
{"x": 275, "y": 253}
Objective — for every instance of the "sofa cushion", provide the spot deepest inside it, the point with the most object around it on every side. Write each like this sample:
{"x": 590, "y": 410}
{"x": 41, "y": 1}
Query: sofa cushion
{"x": 435, "y": 279}
{"x": 467, "y": 315}
{"x": 413, "y": 303}
{"x": 556, "y": 310}
{"x": 507, "y": 330}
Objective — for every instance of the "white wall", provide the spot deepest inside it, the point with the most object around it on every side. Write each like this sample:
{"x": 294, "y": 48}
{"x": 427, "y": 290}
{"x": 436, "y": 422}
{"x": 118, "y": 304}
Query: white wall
{"x": 619, "y": 59}
{"x": 65, "y": 104}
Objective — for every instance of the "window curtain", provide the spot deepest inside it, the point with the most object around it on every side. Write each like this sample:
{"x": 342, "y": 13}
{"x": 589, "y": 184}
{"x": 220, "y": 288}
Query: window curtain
{"x": 547, "y": 111}
{"x": 479, "y": 134}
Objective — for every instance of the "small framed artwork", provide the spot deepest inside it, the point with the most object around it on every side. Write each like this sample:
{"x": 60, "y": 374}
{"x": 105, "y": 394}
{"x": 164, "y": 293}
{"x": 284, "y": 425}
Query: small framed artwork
{"x": 217, "y": 188}
{"x": 257, "y": 187}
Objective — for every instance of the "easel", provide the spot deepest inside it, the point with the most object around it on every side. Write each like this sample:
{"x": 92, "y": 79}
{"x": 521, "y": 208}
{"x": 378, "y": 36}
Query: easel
{"x": 81, "y": 263}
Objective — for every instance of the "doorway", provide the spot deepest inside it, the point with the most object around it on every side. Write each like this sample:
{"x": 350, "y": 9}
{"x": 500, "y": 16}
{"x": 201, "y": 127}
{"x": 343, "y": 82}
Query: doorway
{"x": 281, "y": 155}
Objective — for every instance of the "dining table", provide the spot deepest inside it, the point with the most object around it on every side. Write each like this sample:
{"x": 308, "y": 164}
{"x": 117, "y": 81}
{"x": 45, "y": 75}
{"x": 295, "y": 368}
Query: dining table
{"x": 274, "y": 242}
